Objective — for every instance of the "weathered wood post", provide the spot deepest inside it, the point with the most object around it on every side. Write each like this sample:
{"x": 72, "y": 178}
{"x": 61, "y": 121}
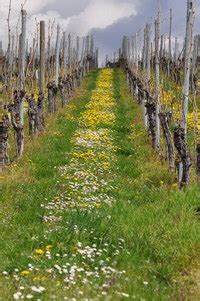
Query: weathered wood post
{"x": 144, "y": 50}
{"x": 12, "y": 58}
{"x": 64, "y": 54}
{"x": 161, "y": 46}
{"x": 176, "y": 50}
{"x": 148, "y": 71}
{"x": 49, "y": 51}
{"x": 87, "y": 53}
{"x": 157, "y": 80}
{"x": 18, "y": 117}
{"x": 40, "y": 104}
{"x": 96, "y": 57}
{"x": 187, "y": 65}
{"x": 83, "y": 52}
{"x": 8, "y": 68}
{"x": 57, "y": 54}
{"x": 180, "y": 133}
{"x": 69, "y": 53}
{"x": 42, "y": 57}
{"x": 170, "y": 42}
{"x": 194, "y": 65}
{"x": 22, "y": 59}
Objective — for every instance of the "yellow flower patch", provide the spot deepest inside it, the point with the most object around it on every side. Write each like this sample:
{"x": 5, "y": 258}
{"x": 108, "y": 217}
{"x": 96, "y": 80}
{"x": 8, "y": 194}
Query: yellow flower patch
{"x": 25, "y": 273}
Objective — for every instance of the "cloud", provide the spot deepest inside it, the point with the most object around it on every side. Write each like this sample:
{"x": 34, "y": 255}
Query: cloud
{"x": 97, "y": 14}
{"x": 100, "y": 14}
{"x": 78, "y": 16}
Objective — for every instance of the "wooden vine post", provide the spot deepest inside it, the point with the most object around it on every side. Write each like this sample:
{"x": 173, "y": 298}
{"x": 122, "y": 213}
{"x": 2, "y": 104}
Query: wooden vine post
{"x": 8, "y": 65}
{"x": 17, "y": 111}
{"x": 42, "y": 57}
{"x": 22, "y": 60}
{"x": 64, "y": 54}
{"x": 69, "y": 53}
{"x": 57, "y": 54}
{"x": 148, "y": 70}
{"x": 176, "y": 51}
{"x": 170, "y": 43}
{"x": 180, "y": 133}
{"x": 187, "y": 60}
{"x": 157, "y": 80}
{"x": 40, "y": 104}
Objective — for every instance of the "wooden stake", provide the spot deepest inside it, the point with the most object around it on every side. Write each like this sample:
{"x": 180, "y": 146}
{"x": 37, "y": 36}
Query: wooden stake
{"x": 22, "y": 59}
{"x": 57, "y": 52}
{"x": 187, "y": 57}
{"x": 157, "y": 80}
{"x": 42, "y": 57}
{"x": 170, "y": 35}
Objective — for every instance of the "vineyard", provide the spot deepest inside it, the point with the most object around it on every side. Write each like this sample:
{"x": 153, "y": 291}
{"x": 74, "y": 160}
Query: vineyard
{"x": 100, "y": 167}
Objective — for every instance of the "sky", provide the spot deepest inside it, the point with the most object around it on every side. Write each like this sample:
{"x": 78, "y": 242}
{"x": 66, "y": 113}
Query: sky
{"x": 108, "y": 20}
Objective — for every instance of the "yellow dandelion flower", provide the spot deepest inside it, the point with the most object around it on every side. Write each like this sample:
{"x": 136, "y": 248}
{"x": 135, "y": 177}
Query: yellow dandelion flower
{"x": 25, "y": 273}
{"x": 39, "y": 252}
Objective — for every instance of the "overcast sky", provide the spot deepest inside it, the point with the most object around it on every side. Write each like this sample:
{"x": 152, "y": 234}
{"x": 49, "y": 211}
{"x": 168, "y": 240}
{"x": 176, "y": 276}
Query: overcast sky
{"x": 109, "y": 20}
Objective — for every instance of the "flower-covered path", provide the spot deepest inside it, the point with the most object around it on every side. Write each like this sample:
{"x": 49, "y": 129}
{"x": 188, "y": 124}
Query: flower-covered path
{"x": 87, "y": 216}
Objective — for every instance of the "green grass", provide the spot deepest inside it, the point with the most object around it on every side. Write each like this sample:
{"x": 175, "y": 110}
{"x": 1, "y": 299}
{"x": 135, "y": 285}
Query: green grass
{"x": 158, "y": 223}
{"x": 161, "y": 227}
{"x": 32, "y": 180}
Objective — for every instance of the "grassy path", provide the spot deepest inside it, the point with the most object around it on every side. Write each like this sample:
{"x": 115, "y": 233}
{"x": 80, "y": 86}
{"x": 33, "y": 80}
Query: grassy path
{"x": 90, "y": 214}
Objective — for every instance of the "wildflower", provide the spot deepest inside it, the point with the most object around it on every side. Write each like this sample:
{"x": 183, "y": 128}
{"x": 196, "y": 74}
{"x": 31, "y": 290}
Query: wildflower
{"x": 25, "y": 273}
{"x": 39, "y": 252}
{"x": 38, "y": 289}
{"x": 125, "y": 295}
{"x": 17, "y": 296}
{"x": 49, "y": 247}
{"x": 29, "y": 296}
{"x": 104, "y": 293}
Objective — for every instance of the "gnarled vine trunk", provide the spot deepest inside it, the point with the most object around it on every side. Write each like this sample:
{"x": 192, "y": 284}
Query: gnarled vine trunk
{"x": 151, "y": 113}
{"x": 181, "y": 146}
{"x": 165, "y": 119}
{"x": 4, "y": 126}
